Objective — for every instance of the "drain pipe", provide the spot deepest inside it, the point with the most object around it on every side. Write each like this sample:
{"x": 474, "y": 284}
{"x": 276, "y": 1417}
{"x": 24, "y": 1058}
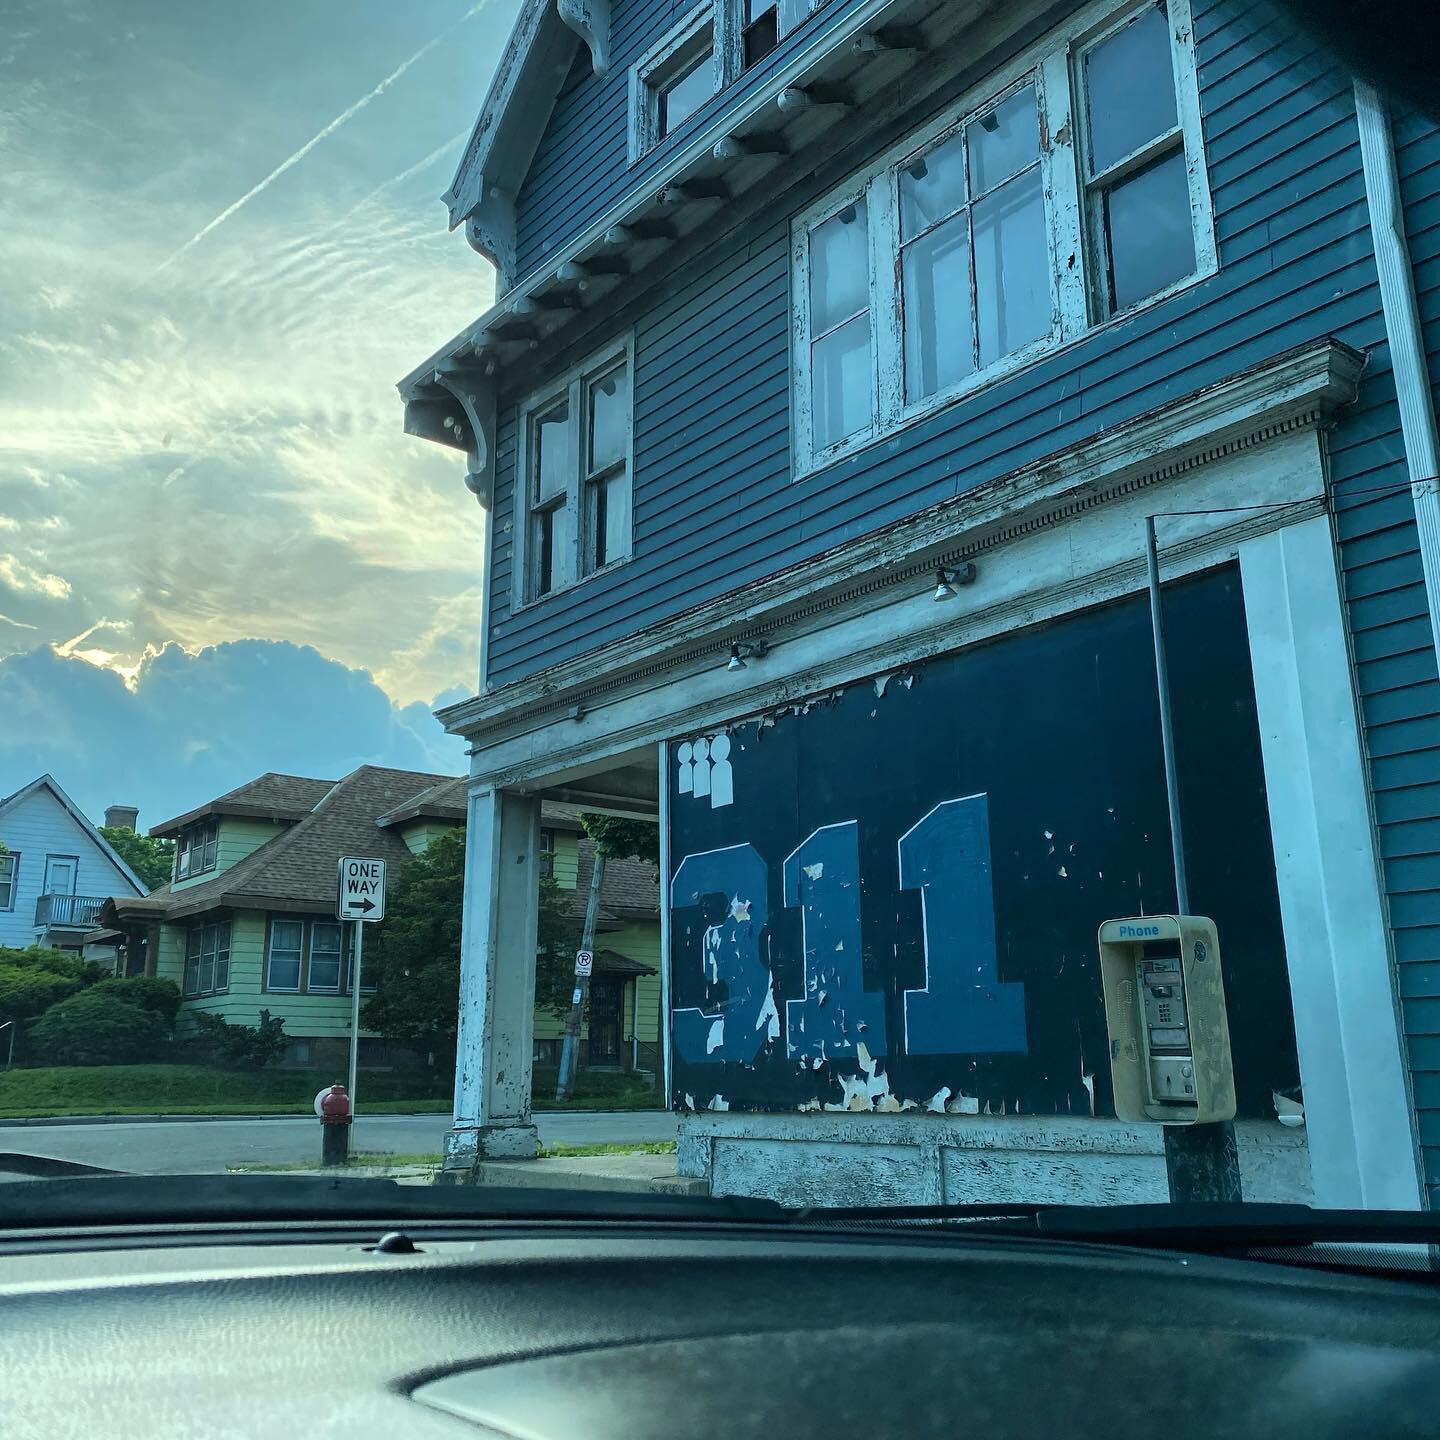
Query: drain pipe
{"x": 1402, "y": 328}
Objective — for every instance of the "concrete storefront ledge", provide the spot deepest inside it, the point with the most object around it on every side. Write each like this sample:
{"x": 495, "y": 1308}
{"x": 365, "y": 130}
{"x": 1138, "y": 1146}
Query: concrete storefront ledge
{"x": 645, "y": 1174}
{"x": 859, "y": 1159}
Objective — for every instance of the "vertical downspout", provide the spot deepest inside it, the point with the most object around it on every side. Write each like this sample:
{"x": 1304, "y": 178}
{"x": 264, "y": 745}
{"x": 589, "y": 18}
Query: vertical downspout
{"x": 1402, "y": 328}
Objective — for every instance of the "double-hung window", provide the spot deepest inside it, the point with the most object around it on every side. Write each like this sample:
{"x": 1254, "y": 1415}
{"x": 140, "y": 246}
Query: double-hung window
{"x": 1068, "y": 189}
{"x": 576, "y": 466}
{"x": 9, "y": 878}
{"x": 327, "y": 955}
{"x": 710, "y": 48}
{"x": 196, "y": 852}
{"x": 286, "y": 952}
{"x": 207, "y": 959}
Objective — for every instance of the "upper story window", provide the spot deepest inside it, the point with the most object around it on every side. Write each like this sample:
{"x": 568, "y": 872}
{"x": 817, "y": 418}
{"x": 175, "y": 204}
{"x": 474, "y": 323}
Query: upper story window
{"x": 711, "y": 47}
{"x": 9, "y": 878}
{"x": 311, "y": 956}
{"x": 207, "y": 959}
{"x": 997, "y": 232}
{"x": 195, "y": 853}
{"x": 575, "y": 460}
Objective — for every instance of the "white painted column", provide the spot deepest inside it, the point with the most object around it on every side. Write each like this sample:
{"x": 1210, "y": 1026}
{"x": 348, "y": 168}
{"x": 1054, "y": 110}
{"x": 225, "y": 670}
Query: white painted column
{"x": 497, "y": 982}
{"x": 1363, "y": 1150}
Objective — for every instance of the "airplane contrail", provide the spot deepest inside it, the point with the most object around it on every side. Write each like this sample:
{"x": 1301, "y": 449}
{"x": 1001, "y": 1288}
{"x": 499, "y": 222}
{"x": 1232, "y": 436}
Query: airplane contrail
{"x": 406, "y": 174}
{"x": 345, "y": 115}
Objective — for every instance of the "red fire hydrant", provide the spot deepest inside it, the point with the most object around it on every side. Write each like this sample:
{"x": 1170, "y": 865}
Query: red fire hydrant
{"x": 334, "y": 1107}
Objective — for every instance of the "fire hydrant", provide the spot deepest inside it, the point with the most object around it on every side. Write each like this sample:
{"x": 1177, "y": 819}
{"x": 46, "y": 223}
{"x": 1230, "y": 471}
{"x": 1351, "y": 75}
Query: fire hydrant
{"x": 334, "y": 1107}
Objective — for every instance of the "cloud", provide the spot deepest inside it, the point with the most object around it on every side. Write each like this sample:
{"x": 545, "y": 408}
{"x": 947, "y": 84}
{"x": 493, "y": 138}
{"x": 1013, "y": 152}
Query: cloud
{"x": 25, "y": 579}
{"x": 194, "y": 725}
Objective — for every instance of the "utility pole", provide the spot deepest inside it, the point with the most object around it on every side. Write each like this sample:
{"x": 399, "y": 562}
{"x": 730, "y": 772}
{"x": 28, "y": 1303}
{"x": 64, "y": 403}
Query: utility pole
{"x": 570, "y": 1049}
{"x": 1201, "y": 1162}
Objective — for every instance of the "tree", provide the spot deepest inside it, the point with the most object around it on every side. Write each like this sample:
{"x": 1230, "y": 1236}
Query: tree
{"x": 611, "y": 838}
{"x": 414, "y": 957}
{"x": 151, "y": 859}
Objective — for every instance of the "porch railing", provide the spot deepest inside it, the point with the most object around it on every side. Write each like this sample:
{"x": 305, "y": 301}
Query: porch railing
{"x": 68, "y": 912}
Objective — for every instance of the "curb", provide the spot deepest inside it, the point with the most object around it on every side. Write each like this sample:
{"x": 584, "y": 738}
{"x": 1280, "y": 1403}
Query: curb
{"x": 200, "y": 1119}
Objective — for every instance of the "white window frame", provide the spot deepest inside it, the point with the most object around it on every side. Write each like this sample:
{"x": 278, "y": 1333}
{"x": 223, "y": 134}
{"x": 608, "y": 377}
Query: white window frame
{"x": 298, "y": 951}
{"x": 572, "y": 386}
{"x": 10, "y": 861}
{"x": 212, "y": 932}
{"x": 648, "y": 75}
{"x": 1052, "y": 67}
{"x": 340, "y": 954}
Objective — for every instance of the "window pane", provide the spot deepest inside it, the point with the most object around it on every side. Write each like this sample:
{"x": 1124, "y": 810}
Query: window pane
{"x": 1147, "y": 221}
{"x": 841, "y": 383}
{"x": 207, "y": 959}
{"x": 325, "y": 943}
{"x": 1130, "y": 88}
{"x": 286, "y": 937}
{"x": 609, "y": 414}
{"x": 839, "y": 268}
{"x": 1012, "y": 268}
{"x": 1004, "y": 141}
{"x": 545, "y": 553}
{"x": 932, "y": 186}
{"x": 554, "y": 452}
{"x": 563, "y": 557}
{"x": 939, "y": 348}
{"x": 616, "y": 515}
{"x": 222, "y": 957}
{"x": 683, "y": 96}
{"x": 762, "y": 31}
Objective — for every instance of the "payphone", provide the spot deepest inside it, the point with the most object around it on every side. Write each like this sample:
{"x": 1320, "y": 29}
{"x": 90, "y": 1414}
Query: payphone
{"x": 1165, "y": 1013}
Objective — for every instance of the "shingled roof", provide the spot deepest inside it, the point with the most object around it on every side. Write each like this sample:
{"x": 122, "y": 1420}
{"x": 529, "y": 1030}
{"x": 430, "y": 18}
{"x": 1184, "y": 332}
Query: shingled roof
{"x": 363, "y": 814}
{"x": 296, "y": 870}
{"x": 271, "y": 797}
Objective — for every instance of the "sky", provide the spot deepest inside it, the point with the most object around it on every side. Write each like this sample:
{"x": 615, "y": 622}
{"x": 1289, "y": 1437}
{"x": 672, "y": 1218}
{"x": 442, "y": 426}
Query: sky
{"x": 221, "y": 244}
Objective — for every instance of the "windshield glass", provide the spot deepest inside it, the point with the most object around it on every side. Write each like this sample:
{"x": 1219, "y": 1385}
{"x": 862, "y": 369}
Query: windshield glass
{"x": 866, "y": 639}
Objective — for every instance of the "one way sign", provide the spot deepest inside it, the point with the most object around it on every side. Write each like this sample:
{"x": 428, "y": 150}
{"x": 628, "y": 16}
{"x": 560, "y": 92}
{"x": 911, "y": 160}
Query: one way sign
{"x": 362, "y": 889}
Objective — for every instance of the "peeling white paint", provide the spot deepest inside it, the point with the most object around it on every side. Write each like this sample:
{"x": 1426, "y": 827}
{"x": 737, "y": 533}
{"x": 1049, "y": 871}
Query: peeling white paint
{"x": 938, "y": 1099}
{"x": 739, "y": 909}
{"x": 815, "y": 871}
{"x": 716, "y": 1038}
{"x": 718, "y": 1103}
{"x": 1088, "y": 1081}
{"x": 963, "y": 1104}
{"x": 1064, "y": 874}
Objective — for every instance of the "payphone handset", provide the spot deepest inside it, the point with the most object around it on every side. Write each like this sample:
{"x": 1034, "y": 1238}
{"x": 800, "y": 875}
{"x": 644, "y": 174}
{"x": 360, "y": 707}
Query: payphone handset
{"x": 1165, "y": 1011}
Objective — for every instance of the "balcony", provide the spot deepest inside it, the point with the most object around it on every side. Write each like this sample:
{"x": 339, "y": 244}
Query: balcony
{"x": 67, "y": 912}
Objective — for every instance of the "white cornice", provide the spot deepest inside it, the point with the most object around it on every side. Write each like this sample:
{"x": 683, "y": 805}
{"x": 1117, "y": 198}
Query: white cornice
{"x": 1296, "y": 390}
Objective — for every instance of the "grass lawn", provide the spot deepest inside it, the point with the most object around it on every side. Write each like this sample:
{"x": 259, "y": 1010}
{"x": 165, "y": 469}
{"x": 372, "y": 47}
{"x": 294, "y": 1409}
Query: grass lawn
{"x": 202, "y": 1090}
{"x": 384, "y": 1160}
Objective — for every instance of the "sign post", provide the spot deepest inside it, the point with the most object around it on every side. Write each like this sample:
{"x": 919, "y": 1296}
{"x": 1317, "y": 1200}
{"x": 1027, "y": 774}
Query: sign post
{"x": 360, "y": 899}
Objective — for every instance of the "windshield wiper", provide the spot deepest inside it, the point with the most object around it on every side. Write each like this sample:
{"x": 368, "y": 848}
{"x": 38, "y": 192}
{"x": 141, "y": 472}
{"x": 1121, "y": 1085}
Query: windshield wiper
{"x": 1212, "y": 1228}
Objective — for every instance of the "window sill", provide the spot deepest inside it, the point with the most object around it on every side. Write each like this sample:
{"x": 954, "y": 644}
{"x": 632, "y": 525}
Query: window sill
{"x": 607, "y": 569}
{"x": 205, "y": 994}
{"x": 1021, "y": 361}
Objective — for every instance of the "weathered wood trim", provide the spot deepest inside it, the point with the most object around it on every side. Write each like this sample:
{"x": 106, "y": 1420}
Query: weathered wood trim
{"x": 590, "y": 20}
{"x": 1296, "y": 391}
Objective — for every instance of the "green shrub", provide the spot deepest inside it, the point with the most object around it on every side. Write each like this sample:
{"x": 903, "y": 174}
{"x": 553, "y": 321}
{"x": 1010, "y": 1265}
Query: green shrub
{"x": 54, "y": 962}
{"x": 27, "y": 991}
{"x": 250, "y": 1046}
{"x": 91, "y": 1029}
{"x": 146, "y": 991}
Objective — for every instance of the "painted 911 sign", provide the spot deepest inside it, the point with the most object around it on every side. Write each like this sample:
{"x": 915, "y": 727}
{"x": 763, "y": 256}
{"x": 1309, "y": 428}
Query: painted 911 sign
{"x": 894, "y": 903}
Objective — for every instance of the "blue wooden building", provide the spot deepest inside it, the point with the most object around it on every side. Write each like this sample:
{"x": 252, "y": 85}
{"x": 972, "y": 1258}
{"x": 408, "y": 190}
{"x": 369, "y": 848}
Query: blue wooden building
{"x": 841, "y": 350}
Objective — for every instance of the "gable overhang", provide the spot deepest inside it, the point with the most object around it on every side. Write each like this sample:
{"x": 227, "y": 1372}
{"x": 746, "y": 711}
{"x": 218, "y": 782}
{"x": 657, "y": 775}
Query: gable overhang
{"x": 857, "y": 66}
{"x": 517, "y": 106}
{"x": 228, "y": 809}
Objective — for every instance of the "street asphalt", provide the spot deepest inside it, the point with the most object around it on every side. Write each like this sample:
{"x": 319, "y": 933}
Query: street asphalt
{"x": 201, "y": 1147}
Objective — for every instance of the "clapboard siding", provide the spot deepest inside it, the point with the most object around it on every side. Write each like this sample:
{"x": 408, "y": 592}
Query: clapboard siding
{"x": 581, "y": 166}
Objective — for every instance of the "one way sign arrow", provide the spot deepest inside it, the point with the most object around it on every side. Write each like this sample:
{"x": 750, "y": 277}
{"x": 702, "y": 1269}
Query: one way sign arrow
{"x": 362, "y": 889}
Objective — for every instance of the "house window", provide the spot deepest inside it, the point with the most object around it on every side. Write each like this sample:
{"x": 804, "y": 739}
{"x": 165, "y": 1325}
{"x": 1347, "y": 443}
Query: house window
{"x": 9, "y": 878}
{"x": 207, "y": 959}
{"x": 1137, "y": 190}
{"x": 367, "y": 972}
{"x": 195, "y": 854}
{"x": 709, "y": 49}
{"x": 951, "y": 261}
{"x": 287, "y": 949}
{"x": 327, "y": 948}
{"x": 577, "y": 463}
{"x": 547, "y": 852}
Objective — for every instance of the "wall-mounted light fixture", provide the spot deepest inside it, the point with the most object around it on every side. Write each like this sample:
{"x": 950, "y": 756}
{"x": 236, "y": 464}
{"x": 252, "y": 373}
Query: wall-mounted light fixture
{"x": 947, "y": 580}
{"x": 742, "y": 651}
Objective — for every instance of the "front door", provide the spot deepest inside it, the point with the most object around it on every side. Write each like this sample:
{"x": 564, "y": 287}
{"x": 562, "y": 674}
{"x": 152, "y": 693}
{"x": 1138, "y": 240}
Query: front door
{"x": 606, "y": 1008}
{"x": 60, "y": 871}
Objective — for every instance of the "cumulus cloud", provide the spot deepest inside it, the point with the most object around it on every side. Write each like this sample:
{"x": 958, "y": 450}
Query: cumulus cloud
{"x": 192, "y": 725}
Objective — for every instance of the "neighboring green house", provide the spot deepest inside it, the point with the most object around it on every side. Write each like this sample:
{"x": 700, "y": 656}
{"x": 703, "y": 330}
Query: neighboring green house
{"x": 248, "y": 921}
